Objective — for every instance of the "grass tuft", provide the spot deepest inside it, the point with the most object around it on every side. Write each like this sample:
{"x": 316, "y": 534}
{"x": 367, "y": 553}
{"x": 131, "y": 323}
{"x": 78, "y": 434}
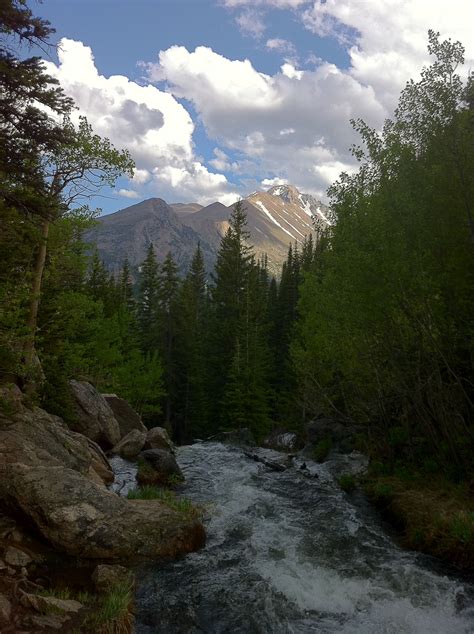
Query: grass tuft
{"x": 169, "y": 498}
{"x": 114, "y": 614}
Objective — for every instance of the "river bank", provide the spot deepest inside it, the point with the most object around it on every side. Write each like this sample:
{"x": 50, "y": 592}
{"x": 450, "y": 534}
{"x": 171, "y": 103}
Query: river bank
{"x": 67, "y": 539}
{"x": 432, "y": 515}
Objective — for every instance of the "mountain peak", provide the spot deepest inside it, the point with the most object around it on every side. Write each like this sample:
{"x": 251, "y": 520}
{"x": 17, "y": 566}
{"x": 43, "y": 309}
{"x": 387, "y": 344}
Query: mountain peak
{"x": 288, "y": 193}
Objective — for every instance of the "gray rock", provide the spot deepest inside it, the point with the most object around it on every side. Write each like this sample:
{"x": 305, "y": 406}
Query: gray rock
{"x": 131, "y": 445}
{"x": 157, "y": 438}
{"x": 282, "y": 441}
{"x": 100, "y": 464}
{"x": 33, "y": 436}
{"x": 78, "y": 517}
{"x": 46, "y": 604}
{"x": 126, "y": 416}
{"x": 49, "y": 622}
{"x": 162, "y": 467}
{"x": 16, "y": 557}
{"x": 44, "y": 474}
{"x": 5, "y": 608}
{"x": 105, "y": 577}
{"x": 93, "y": 416}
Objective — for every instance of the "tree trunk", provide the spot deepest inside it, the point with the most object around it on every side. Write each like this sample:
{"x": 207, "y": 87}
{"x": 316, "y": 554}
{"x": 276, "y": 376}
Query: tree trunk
{"x": 31, "y": 359}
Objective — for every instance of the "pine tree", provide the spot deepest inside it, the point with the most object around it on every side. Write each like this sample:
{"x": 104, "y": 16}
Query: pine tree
{"x": 97, "y": 283}
{"x": 168, "y": 283}
{"x": 125, "y": 287}
{"x": 230, "y": 283}
{"x": 191, "y": 351}
{"x": 248, "y": 392}
{"x": 147, "y": 303}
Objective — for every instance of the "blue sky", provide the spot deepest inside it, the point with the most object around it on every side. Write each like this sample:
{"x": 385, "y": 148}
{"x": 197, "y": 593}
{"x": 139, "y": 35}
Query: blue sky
{"x": 167, "y": 80}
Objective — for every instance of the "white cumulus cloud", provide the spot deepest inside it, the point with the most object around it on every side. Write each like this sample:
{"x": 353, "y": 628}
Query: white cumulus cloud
{"x": 287, "y": 124}
{"x": 387, "y": 39}
{"x": 150, "y": 123}
{"x": 128, "y": 193}
{"x": 295, "y": 123}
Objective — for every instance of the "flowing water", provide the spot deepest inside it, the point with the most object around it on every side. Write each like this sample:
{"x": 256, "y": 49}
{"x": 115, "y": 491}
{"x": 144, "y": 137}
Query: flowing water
{"x": 290, "y": 552}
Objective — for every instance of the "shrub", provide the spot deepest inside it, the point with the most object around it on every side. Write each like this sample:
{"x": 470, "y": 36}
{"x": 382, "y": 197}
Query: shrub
{"x": 347, "y": 482}
{"x": 322, "y": 449}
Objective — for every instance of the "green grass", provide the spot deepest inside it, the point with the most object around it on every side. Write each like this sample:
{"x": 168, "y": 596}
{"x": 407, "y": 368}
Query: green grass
{"x": 433, "y": 514}
{"x": 57, "y": 593}
{"x": 347, "y": 482}
{"x": 179, "y": 504}
{"x": 146, "y": 475}
{"x": 174, "y": 480}
{"x": 64, "y": 594}
{"x": 114, "y": 612}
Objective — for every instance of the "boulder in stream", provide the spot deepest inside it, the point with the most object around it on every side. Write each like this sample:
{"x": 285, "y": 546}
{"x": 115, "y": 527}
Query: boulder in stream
{"x": 157, "y": 466}
{"x": 131, "y": 445}
{"x": 280, "y": 440}
{"x": 157, "y": 438}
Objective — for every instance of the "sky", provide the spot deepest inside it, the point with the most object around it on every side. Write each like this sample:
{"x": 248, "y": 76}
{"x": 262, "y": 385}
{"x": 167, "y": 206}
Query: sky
{"x": 215, "y": 99}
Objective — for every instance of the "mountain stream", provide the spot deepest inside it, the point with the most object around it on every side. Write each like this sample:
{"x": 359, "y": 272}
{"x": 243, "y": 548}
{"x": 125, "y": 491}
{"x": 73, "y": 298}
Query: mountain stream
{"x": 290, "y": 552}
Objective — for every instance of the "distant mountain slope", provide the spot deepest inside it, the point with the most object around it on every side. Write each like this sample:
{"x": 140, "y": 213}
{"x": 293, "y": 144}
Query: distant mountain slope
{"x": 275, "y": 219}
{"x": 127, "y": 234}
{"x": 185, "y": 208}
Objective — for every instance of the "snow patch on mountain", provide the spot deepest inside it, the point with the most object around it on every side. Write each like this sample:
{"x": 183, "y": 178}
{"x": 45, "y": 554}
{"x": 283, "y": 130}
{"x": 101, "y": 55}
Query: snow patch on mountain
{"x": 265, "y": 211}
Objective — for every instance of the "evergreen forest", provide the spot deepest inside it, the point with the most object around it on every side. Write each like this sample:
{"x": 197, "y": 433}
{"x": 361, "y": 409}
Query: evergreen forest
{"x": 371, "y": 321}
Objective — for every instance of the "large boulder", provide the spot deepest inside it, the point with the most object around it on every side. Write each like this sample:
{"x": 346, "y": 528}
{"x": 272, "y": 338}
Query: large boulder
{"x": 126, "y": 416}
{"x": 94, "y": 417}
{"x": 45, "y": 477}
{"x": 158, "y": 466}
{"x": 81, "y": 518}
{"x": 130, "y": 446}
{"x": 33, "y": 436}
{"x": 283, "y": 441}
{"x": 157, "y": 438}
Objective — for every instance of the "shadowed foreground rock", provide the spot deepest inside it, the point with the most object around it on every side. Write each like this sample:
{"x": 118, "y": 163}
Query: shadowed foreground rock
{"x": 157, "y": 467}
{"x": 80, "y": 518}
{"x": 47, "y": 473}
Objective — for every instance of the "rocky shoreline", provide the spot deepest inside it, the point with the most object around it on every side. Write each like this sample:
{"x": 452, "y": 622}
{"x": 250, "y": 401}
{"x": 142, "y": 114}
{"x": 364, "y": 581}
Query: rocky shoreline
{"x": 57, "y": 510}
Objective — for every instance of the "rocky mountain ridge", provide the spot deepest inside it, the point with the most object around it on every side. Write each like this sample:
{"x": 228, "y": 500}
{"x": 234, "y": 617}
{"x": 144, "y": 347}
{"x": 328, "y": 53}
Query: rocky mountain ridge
{"x": 276, "y": 218}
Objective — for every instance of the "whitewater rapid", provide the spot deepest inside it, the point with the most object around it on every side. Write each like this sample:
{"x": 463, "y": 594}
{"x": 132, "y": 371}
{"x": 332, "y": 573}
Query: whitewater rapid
{"x": 290, "y": 552}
